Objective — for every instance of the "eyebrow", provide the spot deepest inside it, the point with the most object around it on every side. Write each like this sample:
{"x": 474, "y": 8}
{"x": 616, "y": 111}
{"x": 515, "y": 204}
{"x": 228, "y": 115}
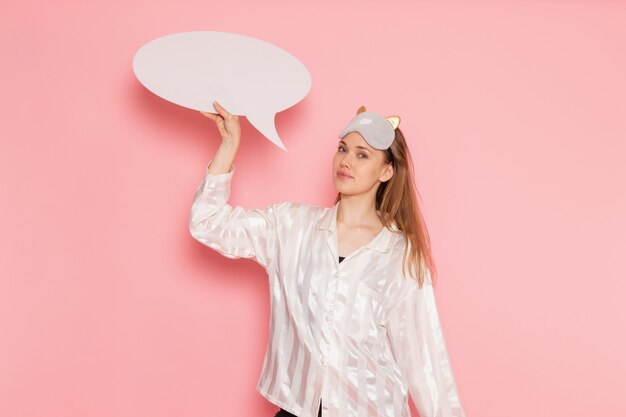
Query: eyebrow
{"x": 358, "y": 146}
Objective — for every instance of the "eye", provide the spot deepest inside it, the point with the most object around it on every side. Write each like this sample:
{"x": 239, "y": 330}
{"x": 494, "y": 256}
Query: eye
{"x": 364, "y": 155}
{"x": 340, "y": 148}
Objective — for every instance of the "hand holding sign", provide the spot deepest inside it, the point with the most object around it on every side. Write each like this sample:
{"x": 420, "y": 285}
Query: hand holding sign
{"x": 246, "y": 75}
{"x": 227, "y": 123}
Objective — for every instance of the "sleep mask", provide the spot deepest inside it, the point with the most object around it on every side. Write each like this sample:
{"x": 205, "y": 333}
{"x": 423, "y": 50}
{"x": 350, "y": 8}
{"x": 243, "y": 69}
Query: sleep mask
{"x": 378, "y": 131}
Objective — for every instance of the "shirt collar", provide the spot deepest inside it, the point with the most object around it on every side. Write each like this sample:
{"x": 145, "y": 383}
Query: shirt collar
{"x": 383, "y": 242}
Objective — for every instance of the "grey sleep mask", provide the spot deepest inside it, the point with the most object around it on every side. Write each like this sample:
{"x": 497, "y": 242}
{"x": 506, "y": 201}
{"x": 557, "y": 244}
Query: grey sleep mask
{"x": 378, "y": 131}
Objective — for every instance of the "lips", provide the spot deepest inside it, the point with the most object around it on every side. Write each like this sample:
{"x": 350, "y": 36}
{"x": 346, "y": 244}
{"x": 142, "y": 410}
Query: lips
{"x": 343, "y": 174}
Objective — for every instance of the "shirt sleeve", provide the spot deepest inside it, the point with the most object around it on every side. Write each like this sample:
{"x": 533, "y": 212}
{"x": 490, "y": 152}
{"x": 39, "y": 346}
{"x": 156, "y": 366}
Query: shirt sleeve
{"x": 233, "y": 231}
{"x": 419, "y": 349}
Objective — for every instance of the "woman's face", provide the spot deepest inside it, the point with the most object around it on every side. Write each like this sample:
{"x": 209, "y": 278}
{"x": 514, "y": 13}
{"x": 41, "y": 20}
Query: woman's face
{"x": 357, "y": 167}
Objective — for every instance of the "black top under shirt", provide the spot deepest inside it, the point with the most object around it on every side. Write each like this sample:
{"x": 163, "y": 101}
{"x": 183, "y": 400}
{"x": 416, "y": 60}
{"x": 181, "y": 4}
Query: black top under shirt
{"x": 341, "y": 258}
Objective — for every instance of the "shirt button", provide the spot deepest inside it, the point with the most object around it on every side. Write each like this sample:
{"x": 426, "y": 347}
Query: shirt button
{"x": 324, "y": 407}
{"x": 328, "y": 318}
{"x": 323, "y": 360}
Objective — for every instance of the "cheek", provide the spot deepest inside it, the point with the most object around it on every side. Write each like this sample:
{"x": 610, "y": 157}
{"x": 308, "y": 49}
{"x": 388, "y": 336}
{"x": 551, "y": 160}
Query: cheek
{"x": 367, "y": 168}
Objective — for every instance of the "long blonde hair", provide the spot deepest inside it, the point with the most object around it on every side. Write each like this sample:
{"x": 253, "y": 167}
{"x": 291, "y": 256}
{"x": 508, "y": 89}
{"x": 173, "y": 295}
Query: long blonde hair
{"x": 397, "y": 201}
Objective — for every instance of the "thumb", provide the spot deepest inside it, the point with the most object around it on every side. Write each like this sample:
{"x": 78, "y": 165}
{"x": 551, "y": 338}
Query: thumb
{"x": 221, "y": 127}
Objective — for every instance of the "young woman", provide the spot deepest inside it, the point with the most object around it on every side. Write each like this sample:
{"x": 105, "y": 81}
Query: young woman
{"x": 354, "y": 327}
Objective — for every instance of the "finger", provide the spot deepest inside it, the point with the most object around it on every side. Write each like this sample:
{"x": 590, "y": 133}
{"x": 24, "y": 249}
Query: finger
{"x": 222, "y": 128}
{"x": 211, "y": 116}
{"x": 225, "y": 114}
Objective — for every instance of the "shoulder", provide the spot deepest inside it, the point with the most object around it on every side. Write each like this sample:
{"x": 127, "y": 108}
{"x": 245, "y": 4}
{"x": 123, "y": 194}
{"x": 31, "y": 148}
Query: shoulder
{"x": 299, "y": 208}
{"x": 289, "y": 212}
{"x": 405, "y": 277}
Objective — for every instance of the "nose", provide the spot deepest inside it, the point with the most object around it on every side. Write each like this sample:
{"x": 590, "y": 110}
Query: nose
{"x": 344, "y": 161}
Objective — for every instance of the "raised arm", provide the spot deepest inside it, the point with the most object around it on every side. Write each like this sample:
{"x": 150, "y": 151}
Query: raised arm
{"x": 233, "y": 231}
{"x": 419, "y": 348}
{"x": 230, "y": 131}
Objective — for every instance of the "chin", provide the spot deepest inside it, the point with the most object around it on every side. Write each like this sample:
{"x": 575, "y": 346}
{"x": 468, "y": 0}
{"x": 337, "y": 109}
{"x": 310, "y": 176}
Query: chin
{"x": 343, "y": 191}
{"x": 339, "y": 189}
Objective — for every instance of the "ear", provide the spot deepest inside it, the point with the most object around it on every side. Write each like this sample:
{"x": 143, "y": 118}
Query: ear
{"x": 387, "y": 173}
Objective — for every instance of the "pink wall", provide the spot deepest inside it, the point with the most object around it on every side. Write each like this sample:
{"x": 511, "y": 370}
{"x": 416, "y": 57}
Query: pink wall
{"x": 515, "y": 115}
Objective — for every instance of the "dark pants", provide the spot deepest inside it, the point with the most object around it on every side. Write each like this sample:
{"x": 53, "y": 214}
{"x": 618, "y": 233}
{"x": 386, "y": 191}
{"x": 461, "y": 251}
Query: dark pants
{"x": 283, "y": 413}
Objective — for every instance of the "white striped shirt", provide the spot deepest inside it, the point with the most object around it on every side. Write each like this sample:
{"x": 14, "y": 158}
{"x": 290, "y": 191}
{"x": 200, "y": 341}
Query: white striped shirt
{"x": 356, "y": 334}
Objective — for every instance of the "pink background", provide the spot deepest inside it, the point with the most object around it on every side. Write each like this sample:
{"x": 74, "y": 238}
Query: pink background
{"x": 515, "y": 114}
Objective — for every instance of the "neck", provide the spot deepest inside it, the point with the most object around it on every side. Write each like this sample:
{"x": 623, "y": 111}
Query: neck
{"x": 357, "y": 210}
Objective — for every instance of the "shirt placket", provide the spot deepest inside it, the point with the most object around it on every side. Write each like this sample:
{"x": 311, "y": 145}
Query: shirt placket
{"x": 328, "y": 354}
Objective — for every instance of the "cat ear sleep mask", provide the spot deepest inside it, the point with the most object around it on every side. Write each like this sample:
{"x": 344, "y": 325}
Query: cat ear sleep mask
{"x": 378, "y": 131}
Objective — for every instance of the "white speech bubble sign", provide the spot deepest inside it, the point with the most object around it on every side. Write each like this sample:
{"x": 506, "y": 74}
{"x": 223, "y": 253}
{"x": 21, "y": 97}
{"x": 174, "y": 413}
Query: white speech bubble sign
{"x": 246, "y": 75}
